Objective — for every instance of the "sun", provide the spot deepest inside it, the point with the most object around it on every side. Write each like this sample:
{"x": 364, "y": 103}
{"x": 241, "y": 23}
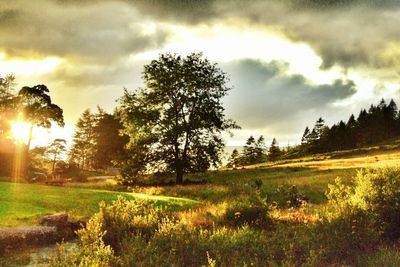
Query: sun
{"x": 20, "y": 131}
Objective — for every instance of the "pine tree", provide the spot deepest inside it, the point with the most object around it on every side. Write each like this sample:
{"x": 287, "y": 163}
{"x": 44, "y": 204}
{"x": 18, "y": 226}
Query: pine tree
{"x": 249, "y": 151}
{"x": 319, "y": 128}
{"x": 274, "y": 151}
{"x": 83, "y": 147}
{"x": 234, "y": 160}
{"x": 304, "y": 138}
{"x": 259, "y": 150}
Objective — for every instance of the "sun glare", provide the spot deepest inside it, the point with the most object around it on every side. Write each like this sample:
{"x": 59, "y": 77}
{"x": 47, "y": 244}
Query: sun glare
{"x": 28, "y": 66}
{"x": 20, "y": 131}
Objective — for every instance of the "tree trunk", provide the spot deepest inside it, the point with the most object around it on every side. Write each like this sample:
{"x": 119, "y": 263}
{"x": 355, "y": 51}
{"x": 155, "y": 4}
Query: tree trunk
{"x": 30, "y": 137}
{"x": 179, "y": 174}
{"x": 25, "y": 161}
{"x": 54, "y": 163}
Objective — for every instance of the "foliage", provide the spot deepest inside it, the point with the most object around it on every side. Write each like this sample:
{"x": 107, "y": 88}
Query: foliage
{"x": 287, "y": 196}
{"x": 70, "y": 170}
{"x": 92, "y": 251}
{"x": 7, "y": 99}
{"x": 97, "y": 142}
{"x": 234, "y": 160}
{"x": 253, "y": 151}
{"x": 109, "y": 148}
{"x": 376, "y": 192}
{"x": 338, "y": 239}
{"x": 141, "y": 235}
{"x": 37, "y": 108}
{"x": 82, "y": 150}
{"x": 274, "y": 152}
{"x": 129, "y": 217}
{"x": 57, "y": 147}
{"x": 175, "y": 122}
{"x": 23, "y": 204}
{"x": 37, "y": 170}
{"x": 385, "y": 256}
{"x": 252, "y": 212}
{"x": 379, "y": 123}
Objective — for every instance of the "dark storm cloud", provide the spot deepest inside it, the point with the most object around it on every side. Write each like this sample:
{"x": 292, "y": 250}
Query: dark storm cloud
{"x": 264, "y": 97}
{"x": 349, "y": 33}
{"x": 106, "y": 30}
{"x": 8, "y": 16}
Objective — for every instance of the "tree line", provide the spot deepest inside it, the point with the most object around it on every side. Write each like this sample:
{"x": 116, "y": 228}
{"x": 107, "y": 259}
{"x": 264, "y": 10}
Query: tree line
{"x": 173, "y": 125}
{"x": 377, "y": 124}
{"x": 254, "y": 152}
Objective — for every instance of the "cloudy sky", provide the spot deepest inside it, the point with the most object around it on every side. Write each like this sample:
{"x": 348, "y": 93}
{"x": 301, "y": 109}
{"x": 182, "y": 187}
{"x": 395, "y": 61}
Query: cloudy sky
{"x": 289, "y": 61}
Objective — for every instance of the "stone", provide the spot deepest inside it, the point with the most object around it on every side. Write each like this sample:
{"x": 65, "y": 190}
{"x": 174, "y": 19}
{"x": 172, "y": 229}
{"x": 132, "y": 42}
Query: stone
{"x": 18, "y": 237}
{"x": 59, "y": 220}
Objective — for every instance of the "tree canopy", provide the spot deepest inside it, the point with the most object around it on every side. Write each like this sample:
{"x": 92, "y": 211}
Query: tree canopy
{"x": 175, "y": 122}
{"x": 36, "y": 107}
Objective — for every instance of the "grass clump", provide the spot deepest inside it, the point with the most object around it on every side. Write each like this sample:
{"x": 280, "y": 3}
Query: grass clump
{"x": 253, "y": 212}
{"x": 287, "y": 196}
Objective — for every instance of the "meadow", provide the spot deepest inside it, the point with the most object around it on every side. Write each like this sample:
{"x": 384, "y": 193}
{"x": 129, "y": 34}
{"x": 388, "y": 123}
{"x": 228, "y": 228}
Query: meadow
{"x": 218, "y": 219}
{"x": 24, "y": 204}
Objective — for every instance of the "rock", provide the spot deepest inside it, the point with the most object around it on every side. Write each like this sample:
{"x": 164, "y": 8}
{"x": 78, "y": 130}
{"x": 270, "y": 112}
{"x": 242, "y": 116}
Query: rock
{"x": 18, "y": 237}
{"x": 59, "y": 220}
{"x": 78, "y": 224}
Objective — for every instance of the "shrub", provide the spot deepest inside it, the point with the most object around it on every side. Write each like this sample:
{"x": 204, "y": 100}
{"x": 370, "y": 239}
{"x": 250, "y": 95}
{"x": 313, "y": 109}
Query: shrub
{"x": 92, "y": 250}
{"x": 287, "y": 196}
{"x": 127, "y": 218}
{"x": 376, "y": 192}
{"x": 253, "y": 212}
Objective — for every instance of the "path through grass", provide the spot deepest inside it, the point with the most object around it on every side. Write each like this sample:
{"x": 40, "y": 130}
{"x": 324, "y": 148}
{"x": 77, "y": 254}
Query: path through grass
{"x": 23, "y": 204}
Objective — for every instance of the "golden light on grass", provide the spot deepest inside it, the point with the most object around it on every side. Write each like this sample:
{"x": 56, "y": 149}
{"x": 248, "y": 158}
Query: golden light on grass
{"x": 20, "y": 131}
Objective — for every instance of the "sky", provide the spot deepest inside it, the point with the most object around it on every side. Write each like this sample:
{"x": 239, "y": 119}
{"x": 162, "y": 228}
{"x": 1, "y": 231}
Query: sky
{"x": 289, "y": 62}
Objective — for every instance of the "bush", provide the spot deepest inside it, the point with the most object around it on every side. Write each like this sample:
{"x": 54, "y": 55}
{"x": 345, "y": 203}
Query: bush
{"x": 252, "y": 212}
{"x": 92, "y": 250}
{"x": 126, "y": 218}
{"x": 376, "y": 192}
{"x": 287, "y": 196}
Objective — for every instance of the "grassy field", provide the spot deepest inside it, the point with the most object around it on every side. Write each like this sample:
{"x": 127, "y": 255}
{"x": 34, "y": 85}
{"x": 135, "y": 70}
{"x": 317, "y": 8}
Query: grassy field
{"x": 23, "y": 204}
{"x": 311, "y": 175}
{"x": 204, "y": 205}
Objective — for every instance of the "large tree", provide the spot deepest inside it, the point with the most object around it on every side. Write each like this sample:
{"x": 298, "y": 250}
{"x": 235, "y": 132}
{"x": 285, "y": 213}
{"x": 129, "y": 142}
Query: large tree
{"x": 274, "y": 152}
{"x": 109, "y": 145}
{"x": 37, "y": 108}
{"x": 83, "y": 146}
{"x": 175, "y": 122}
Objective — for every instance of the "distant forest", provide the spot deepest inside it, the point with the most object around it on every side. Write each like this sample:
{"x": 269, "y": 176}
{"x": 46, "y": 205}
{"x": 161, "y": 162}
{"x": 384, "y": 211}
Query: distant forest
{"x": 378, "y": 124}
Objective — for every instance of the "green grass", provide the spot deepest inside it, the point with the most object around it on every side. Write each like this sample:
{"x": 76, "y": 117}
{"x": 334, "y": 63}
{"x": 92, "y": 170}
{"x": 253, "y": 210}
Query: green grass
{"x": 311, "y": 175}
{"x": 23, "y": 204}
